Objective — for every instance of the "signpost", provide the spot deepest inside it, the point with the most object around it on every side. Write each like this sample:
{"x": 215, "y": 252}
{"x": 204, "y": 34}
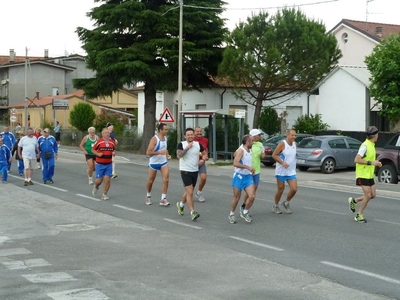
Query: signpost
{"x": 166, "y": 117}
{"x": 60, "y": 104}
{"x": 13, "y": 119}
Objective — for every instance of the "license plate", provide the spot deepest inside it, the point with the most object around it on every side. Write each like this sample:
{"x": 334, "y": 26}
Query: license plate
{"x": 301, "y": 161}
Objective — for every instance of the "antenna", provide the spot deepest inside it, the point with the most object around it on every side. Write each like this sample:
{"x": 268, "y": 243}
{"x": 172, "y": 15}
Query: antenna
{"x": 367, "y": 14}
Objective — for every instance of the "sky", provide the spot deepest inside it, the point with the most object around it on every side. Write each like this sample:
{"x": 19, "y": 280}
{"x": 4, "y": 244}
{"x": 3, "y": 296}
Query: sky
{"x": 51, "y": 24}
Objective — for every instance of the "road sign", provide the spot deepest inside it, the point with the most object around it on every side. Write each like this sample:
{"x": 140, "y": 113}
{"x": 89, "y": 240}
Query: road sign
{"x": 166, "y": 117}
{"x": 13, "y": 119}
{"x": 13, "y": 111}
{"x": 60, "y": 104}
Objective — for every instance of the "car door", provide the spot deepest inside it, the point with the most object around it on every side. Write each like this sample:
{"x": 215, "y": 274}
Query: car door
{"x": 340, "y": 151}
{"x": 354, "y": 146}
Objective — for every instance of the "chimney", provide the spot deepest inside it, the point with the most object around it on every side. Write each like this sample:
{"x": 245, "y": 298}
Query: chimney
{"x": 12, "y": 55}
{"x": 46, "y": 53}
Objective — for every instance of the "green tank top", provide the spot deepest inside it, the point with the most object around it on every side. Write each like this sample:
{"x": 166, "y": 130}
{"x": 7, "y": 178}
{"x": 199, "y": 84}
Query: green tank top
{"x": 90, "y": 143}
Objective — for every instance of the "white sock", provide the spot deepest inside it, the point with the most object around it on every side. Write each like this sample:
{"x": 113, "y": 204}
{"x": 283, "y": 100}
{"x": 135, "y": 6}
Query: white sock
{"x": 29, "y": 179}
{"x": 148, "y": 195}
{"x": 245, "y": 211}
{"x": 163, "y": 196}
{"x": 231, "y": 213}
{"x": 181, "y": 204}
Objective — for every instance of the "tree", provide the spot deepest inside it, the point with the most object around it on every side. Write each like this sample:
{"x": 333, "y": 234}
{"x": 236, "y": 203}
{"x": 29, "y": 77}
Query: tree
{"x": 277, "y": 57}
{"x": 82, "y": 116}
{"x": 384, "y": 65}
{"x": 269, "y": 121}
{"x": 137, "y": 41}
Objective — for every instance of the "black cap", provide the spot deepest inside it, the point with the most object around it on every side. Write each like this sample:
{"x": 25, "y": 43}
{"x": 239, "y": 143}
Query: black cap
{"x": 372, "y": 130}
{"x": 109, "y": 124}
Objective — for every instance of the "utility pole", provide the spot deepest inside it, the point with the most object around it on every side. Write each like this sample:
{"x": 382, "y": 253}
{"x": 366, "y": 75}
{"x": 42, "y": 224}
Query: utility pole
{"x": 26, "y": 90}
{"x": 180, "y": 65}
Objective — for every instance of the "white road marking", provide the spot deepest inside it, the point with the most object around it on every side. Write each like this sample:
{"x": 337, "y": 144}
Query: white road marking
{"x": 14, "y": 251}
{"x": 256, "y": 243}
{"x": 3, "y": 239}
{"x": 324, "y": 210}
{"x": 53, "y": 187}
{"x": 388, "y": 222}
{"x": 88, "y": 197}
{"x": 78, "y": 294}
{"x": 127, "y": 208}
{"x": 25, "y": 264}
{"x": 49, "y": 277}
{"x": 374, "y": 275}
{"x": 183, "y": 224}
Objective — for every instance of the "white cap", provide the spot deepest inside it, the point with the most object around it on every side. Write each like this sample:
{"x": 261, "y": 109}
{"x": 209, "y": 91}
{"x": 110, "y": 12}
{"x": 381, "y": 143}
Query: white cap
{"x": 255, "y": 132}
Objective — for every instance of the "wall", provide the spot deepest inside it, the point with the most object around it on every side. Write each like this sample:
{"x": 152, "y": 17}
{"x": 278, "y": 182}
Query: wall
{"x": 80, "y": 72}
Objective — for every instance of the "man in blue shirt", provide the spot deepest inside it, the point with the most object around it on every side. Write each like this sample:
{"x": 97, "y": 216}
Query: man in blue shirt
{"x": 8, "y": 140}
{"x": 48, "y": 149}
{"x": 5, "y": 160}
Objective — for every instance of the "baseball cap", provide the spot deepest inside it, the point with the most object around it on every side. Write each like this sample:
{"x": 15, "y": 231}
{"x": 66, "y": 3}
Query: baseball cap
{"x": 372, "y": 130}
{"x": 255, "y": 132}
{"x": 109, "y": 124}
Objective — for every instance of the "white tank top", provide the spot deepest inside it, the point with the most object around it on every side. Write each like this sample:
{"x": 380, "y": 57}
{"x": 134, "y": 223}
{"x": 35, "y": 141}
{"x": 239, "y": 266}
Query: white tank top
{"x": 190, "y": 161}
{"x": 245, "y": 160}
{"x": 159, "y": 158}
{"x": 288, "y": 155}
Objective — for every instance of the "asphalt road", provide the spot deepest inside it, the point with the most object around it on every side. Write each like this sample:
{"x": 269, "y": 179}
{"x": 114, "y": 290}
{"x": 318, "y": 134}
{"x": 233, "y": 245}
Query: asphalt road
{"x": 329, "y": 255}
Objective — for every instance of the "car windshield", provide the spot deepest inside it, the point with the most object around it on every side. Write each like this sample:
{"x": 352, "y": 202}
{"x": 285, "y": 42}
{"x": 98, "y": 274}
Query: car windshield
{"x": 275, "y": 139}
{"x": 310, "y": 143}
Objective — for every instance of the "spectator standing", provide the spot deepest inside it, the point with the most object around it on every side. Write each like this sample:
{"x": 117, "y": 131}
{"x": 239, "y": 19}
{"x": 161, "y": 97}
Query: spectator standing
{"x": 159, "y": 156}
{"x": 18, "y": 128}
{"x": 28, "y": 150}
{"x": 57, "y": 133}
{"x": 188, "y": 154}
{"x": 110, "y": 127}
{"x": 104, "y": 149}
{"x": 5, "y": 160}
{"x": 198, "y": 137}
{"x": 37, "y": 134}
{"x": 20, "y": 162}
{"x": 86, "y": 146}
{"x": 8, "y": 140}
{"x": 49, "y": 153}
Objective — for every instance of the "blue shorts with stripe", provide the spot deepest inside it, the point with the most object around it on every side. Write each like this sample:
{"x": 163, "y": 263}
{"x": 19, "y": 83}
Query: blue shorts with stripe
{"x": 157, "y": 167}
{"x": 241, "y": 181}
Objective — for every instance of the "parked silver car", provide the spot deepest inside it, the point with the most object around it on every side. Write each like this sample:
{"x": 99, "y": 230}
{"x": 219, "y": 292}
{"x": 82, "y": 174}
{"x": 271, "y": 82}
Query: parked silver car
{"x": 327, "y": 152}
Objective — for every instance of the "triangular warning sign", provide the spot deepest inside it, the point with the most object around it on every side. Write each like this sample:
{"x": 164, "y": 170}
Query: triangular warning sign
{"x": 166, "y": 117}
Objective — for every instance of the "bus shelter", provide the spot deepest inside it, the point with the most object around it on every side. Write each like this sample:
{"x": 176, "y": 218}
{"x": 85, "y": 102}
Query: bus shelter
{"x": 211, "y": 115}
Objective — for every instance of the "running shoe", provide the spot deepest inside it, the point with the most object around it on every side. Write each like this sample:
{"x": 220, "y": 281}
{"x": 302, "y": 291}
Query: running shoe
{"x": 94, "y": 191}
{"x": 164, "y": 202}
{"x": 241, "y": 211}
{"x": 105, "y": 197}
{"x": 26, "y": 183}
{"x": 352, "y": 204}
{"x": 360, "y": 219}
{"x": 200, "y": 196}
{"x": 286, "y": 206}
{"x": 180, "y": 209}
{"x": 114, "y": 175}
{"x": 276, "y": 209}
{"x": 30, "y": 182}
{"x": 147, "y": 200}
{"x": 21, "y": 174}
{"x": 246, "y": 217}
{"x": 38, "y": 167}
{"x": 45, "y": 182}
{"x": 90, "y": 181}
{"x": 232, "y": 219}
{"x": 50, "y": 181}
{"x": 195, "y": 215}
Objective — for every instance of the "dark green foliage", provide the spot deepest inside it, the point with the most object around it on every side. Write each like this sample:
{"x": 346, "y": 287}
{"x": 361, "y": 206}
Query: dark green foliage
{"x": 47, "y": 124}
{"x": 137, "y": 41}
{"x": 275, "y": 57}
{"x": 82, "y": 116}
{"x": 234, "y": 140}
{"x": 384, "y": 65}
{"x": 119, "y": 121}
{"x": 310, "y": 124}
{"x": 269, "y": 121}
{"x": 172, "y": 142}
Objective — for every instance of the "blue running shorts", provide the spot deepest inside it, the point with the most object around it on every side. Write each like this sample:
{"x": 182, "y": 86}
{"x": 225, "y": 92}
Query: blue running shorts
{"x": 241, "y": 181}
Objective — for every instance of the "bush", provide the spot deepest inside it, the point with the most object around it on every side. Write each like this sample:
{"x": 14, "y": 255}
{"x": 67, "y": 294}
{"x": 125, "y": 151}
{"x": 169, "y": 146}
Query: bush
{"x": 269, "y": 121}
{"x": 172, "y": 142}
{"x": 310, "y": 124}
{"x": 119, "y": 121}
{"x": 82, "y": 116}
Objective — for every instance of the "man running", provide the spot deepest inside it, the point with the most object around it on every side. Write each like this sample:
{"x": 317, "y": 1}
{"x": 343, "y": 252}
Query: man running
{"x": 104, "y": 149}
{"x": 188, "y": 154}
{"x": 198, "y": 137}
{"x": 157, "y": 150}
{"x": 8, "y": 140}
{"x": 86, "y": 146}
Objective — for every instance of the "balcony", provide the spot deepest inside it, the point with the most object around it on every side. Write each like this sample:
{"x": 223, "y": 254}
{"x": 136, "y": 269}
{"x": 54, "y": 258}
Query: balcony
{"x": 3, "y": 101}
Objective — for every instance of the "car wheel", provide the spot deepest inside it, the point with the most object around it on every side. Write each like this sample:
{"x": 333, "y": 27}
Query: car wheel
{"x": 267, "y": 164}
{"x": 328, "y": 166}
{"x": 303, "y": 169}
{"x": 387, "y": 174}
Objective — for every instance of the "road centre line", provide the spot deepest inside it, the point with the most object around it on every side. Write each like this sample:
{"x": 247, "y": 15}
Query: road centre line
{"x": 324, "y": 210}
{"x": 182, "y": 224}
{"x": 256, "y": 243}
{"x": 127, "y": 208}
{"x": 366, "y": 273}
{"x": 88, "y": 197}
{"x": 388, "y": 222}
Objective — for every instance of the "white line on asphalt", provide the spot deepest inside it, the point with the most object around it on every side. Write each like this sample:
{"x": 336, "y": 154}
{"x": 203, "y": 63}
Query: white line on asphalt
{"x": 88, "y": 197}
{"x": 388, "y": 222}
{"x": 377, "y": 276}
{"x": 52, "y": 187}
{"x": 127, "y": 208}
{"x": 183, "y": 224}
{"x": 324, "y": 210}
{"x": 256, "y": 243}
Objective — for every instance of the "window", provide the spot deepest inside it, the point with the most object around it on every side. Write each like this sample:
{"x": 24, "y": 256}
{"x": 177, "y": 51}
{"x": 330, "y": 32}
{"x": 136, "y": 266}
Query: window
{"x": 353, "y": 144}
{"x": 310, "y": 143}
{"x": 337, "y": 144}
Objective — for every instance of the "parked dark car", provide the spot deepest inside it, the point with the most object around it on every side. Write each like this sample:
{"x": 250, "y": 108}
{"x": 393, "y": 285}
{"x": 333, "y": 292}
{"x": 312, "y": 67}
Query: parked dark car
{"x": 271, "y": 143}
{"x": 389, "y": 156}
{"x": 327, "y": 152}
